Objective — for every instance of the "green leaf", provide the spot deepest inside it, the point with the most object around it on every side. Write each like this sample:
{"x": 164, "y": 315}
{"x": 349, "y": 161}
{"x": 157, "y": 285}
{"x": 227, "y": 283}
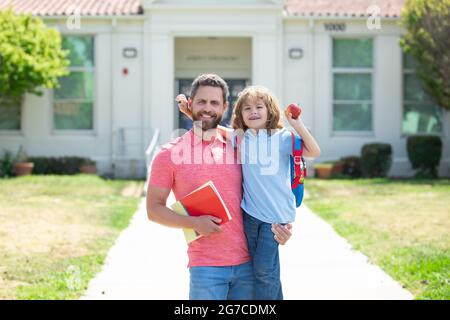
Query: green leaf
{"x": 31, "y": 55}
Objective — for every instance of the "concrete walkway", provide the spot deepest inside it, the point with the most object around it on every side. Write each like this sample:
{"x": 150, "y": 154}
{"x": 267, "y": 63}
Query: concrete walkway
{"x": 149, "y": 261}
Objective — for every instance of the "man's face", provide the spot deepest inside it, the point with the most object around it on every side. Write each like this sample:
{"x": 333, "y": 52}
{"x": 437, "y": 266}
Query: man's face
{"x": 208, "y": 106}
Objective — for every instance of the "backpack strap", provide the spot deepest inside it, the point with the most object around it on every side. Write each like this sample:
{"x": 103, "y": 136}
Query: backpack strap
{"x": 299, "y": 164}
{"x": 297, "y": 152}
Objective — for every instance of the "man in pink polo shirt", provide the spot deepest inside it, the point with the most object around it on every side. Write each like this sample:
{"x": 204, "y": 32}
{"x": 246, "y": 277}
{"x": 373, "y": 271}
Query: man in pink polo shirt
{"x": 219, "y": 263}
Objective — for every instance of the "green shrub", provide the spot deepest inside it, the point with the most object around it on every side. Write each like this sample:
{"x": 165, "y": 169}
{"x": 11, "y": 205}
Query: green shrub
{"x": 424, "y": 153}
{"x": 427, "y": 26}
{"x": 7, "y": 165}
{"x": 376, "y": 159}
{"x": 57, "y": 165}
{"x": 31, "y": 55}
{"x": 352, "y": 166}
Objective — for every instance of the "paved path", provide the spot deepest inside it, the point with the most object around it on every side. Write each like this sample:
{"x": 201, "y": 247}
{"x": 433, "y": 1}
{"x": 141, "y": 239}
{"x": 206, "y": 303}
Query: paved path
{"x": 149, "y": 261}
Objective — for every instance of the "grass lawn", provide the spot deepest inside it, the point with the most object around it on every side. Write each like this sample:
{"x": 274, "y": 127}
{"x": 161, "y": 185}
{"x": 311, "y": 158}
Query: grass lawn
{"x": 55, "y": 232}
{"x": 403, "y": 226}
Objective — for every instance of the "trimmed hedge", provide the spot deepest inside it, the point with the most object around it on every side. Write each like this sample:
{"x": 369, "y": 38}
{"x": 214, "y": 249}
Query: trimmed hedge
{"x": 352, "y": 166}
{"x": 6, "y": 165}
{"x": 57, "y": 165}
{"x": 424, "y": 153}
{"x": 376, "y": 159}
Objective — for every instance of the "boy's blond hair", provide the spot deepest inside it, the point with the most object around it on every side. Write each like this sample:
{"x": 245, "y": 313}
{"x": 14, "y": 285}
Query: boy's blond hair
{"x": 270, "y": 101}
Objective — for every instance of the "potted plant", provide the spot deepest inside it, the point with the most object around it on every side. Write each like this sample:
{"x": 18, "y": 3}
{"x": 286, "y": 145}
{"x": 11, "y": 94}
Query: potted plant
{"x": 338, "y": 168}
{"x": 88, "y": 166}
{"x": 22, "y": 166}
{"x": 324, "y": 170}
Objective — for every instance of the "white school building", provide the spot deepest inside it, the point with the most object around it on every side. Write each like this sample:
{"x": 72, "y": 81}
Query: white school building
{"x": 339, "y": 59}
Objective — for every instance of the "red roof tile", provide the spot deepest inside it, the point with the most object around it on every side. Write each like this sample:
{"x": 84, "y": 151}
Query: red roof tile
{"x": 342, "y": 8}
{"x": 68, "y": 7}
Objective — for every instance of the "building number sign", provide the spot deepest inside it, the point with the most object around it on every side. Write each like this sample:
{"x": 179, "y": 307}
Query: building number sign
{"x": 339, "y": 27}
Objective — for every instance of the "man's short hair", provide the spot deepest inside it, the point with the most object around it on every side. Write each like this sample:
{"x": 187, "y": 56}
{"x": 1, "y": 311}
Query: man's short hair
{"x": 210, "y": 80}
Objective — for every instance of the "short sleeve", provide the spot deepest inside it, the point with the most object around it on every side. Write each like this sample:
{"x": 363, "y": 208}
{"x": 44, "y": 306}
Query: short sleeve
{"x": 286, "y": 142}
{"x": 162, "y": 170}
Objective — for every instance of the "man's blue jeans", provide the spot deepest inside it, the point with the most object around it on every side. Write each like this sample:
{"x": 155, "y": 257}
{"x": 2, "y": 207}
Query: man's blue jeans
{"x": 266, "y": 261}
{"x": 222, "y": 283}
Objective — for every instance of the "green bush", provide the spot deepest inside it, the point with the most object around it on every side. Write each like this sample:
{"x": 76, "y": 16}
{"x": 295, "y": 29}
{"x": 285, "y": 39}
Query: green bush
{"x": 376, "y": 159}
{"x": 424, "y": 153}
{"x": 57, "y": 165}
{"x": 352, "y": 166}
{"x": 7, "y": 165}
{"x": 31, "y": 57}
{"x": 427, "y": 24}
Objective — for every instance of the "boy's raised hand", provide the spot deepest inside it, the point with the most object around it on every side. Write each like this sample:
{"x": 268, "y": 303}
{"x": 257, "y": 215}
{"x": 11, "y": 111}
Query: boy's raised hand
{"x": 292, "y": 113}
{"x": 184, "y": 105}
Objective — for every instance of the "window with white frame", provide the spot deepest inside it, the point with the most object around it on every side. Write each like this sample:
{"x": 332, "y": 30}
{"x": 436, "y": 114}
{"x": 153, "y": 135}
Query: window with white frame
{"x": 420, "y": 114}
{"x": 352, "y": 85}
{"x": 73, "y": 103}
{"x": 10, "y": 113}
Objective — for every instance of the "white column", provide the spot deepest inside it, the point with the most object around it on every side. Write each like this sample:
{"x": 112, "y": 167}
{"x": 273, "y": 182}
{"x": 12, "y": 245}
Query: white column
{"x": 161, "y": 87}
{"x": 265, "y": 62}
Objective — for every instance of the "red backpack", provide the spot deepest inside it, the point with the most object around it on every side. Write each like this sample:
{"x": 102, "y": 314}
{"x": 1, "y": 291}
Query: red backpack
{"x": 298, "y": 169}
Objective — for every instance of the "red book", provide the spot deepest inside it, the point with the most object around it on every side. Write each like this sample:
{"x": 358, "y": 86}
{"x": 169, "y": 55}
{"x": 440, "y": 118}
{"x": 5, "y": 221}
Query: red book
{"x": 204, "y": 200}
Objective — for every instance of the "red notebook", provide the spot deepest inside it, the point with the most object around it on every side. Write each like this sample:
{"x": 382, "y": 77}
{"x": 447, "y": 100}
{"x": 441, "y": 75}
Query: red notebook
{"x": 204, "y": 200}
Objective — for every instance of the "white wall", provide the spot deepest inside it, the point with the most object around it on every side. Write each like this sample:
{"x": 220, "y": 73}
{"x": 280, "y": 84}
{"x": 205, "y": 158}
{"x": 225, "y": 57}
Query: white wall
{"x": 37, "y": 134}
{"x": 260, "y": 37}
{"x": 117, "y": 99}
{"x": 169, "y": 24}
{"x": 226, "y": 56}
{"x": 308, "y": 81}
{"x": 298, "y": 75}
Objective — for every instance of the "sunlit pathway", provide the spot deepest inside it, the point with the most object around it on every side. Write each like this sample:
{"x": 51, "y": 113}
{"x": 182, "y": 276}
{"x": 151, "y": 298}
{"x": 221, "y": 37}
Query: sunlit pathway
{"x": 149, "y": 261}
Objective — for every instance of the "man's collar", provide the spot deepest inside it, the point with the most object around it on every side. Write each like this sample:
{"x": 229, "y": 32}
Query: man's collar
{"x": 195, "y": 140}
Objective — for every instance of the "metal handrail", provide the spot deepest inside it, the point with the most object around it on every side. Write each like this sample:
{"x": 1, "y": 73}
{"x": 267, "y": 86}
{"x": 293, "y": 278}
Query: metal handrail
{"x": 127, "y": 148}
{"x": 151, "y": 147}
{"x": 149, "y": 153}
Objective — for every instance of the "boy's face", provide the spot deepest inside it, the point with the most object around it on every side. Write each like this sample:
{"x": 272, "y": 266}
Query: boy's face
{"x": 208, "y": 106}
{"x": 254, "y": 113}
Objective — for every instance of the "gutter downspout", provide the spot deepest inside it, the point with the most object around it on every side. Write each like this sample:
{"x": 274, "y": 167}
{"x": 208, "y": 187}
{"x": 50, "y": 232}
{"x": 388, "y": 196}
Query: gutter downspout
{"x": 146, "y": 131}
{"x": 313, "y": 82}
{"x": 113, "y": 66}
{"x": 280, "y": 54}
{"x": 141, "y": 90}
{"x": 313, "y": 78}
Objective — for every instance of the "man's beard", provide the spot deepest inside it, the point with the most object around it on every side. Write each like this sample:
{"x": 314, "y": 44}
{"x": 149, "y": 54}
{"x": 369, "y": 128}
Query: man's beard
{"x": 206, "y": 124}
